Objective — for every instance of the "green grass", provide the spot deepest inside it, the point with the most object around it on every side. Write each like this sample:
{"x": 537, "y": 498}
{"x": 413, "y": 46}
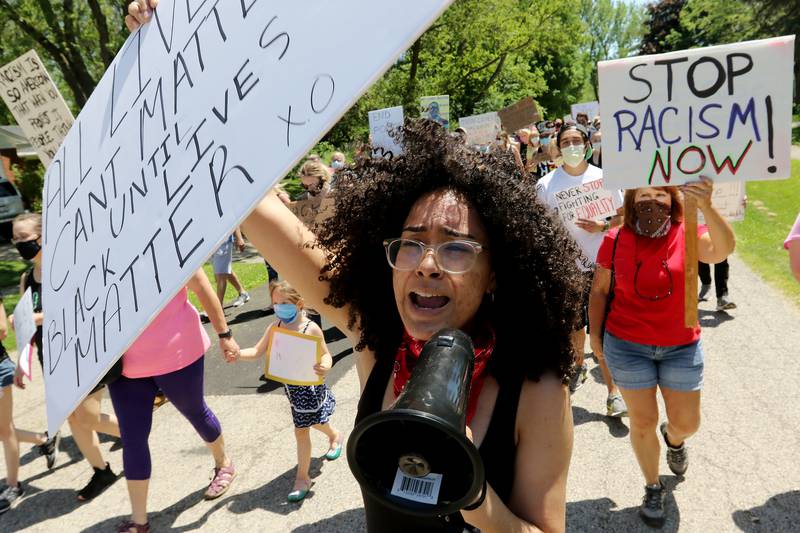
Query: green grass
{"x": 772, "y": 208}
{"x": 250, "y": 275}
{"x": 10, "y": 272}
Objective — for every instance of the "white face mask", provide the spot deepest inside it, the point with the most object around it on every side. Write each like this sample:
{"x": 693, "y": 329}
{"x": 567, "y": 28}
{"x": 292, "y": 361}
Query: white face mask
{"x": 573, "y": 155}
{"x": 337, "y": 165}
{"x": 596, "y": 146}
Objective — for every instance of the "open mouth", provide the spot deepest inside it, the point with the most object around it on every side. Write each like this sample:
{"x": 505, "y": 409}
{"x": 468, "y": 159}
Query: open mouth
{"x": 428, "y": 300}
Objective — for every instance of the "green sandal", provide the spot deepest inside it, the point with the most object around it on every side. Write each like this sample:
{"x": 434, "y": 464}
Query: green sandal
{"x": 299, "y": 494}
{"x": 334, "y": 453}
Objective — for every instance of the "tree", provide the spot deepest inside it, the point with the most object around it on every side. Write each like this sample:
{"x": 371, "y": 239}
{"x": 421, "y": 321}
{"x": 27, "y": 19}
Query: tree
{"x": 663, "y": 19}
{"x": 77, "y": 40}
{"x": 615, "y": 30}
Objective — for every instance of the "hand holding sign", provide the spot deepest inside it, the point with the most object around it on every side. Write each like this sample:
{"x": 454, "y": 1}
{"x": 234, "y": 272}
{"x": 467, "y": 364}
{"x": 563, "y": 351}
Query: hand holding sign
{"x": 294, "y": 358}
{"x": 25, "y": 328}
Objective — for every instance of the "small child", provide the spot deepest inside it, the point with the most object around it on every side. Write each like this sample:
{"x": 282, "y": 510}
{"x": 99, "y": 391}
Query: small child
{"x": 312, "y": 405}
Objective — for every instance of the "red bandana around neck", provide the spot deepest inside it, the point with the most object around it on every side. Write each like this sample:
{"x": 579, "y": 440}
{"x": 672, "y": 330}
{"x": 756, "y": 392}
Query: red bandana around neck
{"x": 410, "y": 349}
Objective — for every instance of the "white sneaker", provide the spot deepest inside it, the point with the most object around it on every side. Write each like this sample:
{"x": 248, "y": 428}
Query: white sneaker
{"x": 240, "y": 300}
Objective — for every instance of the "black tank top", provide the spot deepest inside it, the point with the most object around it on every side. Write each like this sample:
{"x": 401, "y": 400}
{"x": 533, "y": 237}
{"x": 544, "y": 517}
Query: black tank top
{"x": 498, "y": 451}
{"x": 36, "y": 296}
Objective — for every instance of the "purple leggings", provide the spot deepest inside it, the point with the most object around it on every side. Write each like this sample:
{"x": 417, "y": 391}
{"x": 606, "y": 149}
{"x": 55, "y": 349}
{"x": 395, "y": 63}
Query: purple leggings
{"x": 133, "y": 404}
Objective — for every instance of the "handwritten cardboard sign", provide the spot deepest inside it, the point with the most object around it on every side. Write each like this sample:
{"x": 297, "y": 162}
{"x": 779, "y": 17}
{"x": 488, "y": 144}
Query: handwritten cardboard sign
{"x": 588, "y": 201}
{"x": 481, "y": 129}
{"x": 436, "y": 108}
{"x": 592, "y": 109}
{"x": 728, "y": 199}
{"x": 200, "y": 113}
{"x": 723, "y": 111}
{"x": 291, "y": 357}
{"x": 25, "y": 329}
{"x": 38, "y": 107}
{"x": 314, "y": 210}
{"x": 520, "y": 115}
{"x": 381, "y": 123}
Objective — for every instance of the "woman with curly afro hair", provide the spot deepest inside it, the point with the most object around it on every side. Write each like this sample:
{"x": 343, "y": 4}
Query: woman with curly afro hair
{"x": 443, "y": 236}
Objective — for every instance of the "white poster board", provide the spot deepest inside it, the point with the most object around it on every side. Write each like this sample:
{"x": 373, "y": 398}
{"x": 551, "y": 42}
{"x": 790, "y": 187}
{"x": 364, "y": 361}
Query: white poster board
{"x": 200, "y": 113}
{"x": 728, "y": 199}
{"x": 436, "y": 108}
{"x": 25, "y": 329}
{"x": 481, "y": 129}
{"x": 724, "y": 112}
{"x": 589, "y": 201}
{"x": 38, "y": 107}
{"x": 592, "y": 109}
{"x": 381, "y": 122}
{"x": 291, "y": 357}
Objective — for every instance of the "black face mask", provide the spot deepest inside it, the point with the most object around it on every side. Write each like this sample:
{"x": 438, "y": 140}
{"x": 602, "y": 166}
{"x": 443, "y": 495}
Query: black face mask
{"x": 28, "y": 249}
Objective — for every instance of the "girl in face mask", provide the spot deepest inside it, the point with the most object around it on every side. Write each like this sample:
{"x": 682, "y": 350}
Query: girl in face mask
{"x": 642, "y": 335}
{"x": 312, "y": 406}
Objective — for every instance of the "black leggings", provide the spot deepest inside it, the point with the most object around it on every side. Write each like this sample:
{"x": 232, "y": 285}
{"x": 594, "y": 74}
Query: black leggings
{"x": 720, "y": 276}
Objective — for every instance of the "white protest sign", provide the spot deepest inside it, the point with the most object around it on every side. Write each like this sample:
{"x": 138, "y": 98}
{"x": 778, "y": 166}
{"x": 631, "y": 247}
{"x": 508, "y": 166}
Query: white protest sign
{"x": 200, "y": 113}
{"x": 728, "y": 199}
{"x": 481, "y": 129}
{"x": 291, "y": 357}
{"x": 36, "y": 103}
{"x": 436, "y": 108}
{"x": 25, "y": 329}
{"x": 723, "y": 111}
{"x": 592, "y": 109}
{"x": 588, "y": 200}
{"x": 381, "y": 122}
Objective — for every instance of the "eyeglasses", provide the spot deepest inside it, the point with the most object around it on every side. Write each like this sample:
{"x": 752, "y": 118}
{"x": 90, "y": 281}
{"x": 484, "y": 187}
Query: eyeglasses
{"x": 652, "y": 298}
{"x": 453, "y": 257}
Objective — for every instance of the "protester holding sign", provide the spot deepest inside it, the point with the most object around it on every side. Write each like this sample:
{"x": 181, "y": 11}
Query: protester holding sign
{"x": 9, "y": 434}
{"x": 575, "y": 191}
{"x": 479, "y": 254}
{"x": 169, "y": 355}
{"x": 312, "y": 405}
{"x": 646, "y": 343}
{"x": 87, "y": 420}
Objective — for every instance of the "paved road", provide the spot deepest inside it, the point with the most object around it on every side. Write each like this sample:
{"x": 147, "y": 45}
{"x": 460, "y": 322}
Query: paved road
{"x": 744, "y": 473}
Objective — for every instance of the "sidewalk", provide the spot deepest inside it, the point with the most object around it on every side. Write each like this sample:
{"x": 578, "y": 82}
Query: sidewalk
{"x": 744, "y": 473}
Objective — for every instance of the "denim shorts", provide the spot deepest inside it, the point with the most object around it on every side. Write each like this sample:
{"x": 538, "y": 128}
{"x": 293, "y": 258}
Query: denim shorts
{"x": 641, "y": 366}
{"x": 7, "y": 369}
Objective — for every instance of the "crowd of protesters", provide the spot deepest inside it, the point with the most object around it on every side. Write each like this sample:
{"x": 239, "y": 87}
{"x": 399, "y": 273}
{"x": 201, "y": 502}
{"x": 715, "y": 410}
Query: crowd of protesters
{"x": 446, "y": 235}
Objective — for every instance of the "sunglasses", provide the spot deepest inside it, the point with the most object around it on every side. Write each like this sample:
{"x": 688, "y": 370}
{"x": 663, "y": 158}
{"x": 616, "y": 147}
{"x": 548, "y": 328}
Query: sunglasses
{"x": 652, "y": 298}
{"x": 453, "y": 257}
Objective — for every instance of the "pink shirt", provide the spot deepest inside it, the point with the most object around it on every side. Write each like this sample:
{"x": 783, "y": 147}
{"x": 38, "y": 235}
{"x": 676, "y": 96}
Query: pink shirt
{"x": 174, "y": 340}
{"x": 794, "y": 235}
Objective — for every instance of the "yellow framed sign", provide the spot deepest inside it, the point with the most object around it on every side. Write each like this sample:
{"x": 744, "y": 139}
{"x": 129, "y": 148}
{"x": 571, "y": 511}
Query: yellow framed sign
{"x": 291, "y": 357}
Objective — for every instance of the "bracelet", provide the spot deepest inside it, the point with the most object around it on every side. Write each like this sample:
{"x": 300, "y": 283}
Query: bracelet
{"x": 225, "y": 334}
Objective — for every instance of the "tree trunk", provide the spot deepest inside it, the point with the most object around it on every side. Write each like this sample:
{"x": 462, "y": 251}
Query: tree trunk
{"x": 411, "y": 84}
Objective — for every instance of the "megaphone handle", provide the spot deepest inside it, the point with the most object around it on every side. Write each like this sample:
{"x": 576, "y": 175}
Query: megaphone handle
{"x": 479, "y": 501}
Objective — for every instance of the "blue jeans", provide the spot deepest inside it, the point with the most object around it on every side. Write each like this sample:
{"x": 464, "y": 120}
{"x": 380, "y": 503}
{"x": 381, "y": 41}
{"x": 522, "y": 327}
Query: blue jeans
{"x": 642, "y": 366}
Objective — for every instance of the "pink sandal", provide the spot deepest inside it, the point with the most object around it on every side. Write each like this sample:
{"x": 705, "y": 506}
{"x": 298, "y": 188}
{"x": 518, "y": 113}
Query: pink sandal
{"x": 221, "y": 482}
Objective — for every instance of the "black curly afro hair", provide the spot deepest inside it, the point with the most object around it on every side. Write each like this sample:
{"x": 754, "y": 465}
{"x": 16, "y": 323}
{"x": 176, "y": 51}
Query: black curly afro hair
{"x": 537, "y": 301}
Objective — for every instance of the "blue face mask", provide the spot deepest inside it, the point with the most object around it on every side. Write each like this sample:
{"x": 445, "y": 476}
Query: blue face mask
{"x": 545, "y": 141}
{"x": 286, "y": 312}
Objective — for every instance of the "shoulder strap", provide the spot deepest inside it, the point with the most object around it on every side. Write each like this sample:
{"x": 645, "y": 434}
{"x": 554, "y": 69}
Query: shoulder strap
{"x": 308, "y": 323}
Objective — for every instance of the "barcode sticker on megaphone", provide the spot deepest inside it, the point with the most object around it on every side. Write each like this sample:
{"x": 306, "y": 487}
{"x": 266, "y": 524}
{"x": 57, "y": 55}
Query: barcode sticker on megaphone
{"x": 423, "y": 489}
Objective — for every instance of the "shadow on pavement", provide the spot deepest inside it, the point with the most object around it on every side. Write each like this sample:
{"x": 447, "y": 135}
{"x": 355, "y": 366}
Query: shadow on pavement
{"x": 38, "y": 506}
{"x": 778, "y": 514}
{"x": 270, "y": 497}
{"x": 616, "y": 427}
{"x": 351, "y": 521}
{"x": 247, "y": 316}
{"x": 712, "y": 319}
{"x": 602, "y": 514}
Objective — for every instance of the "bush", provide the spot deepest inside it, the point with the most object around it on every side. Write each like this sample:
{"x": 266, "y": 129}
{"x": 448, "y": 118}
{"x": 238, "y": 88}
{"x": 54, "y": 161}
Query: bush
{"x": 30, "y": 181}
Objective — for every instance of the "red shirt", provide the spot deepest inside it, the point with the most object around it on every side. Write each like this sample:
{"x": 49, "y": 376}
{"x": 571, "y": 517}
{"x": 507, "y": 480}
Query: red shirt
{"x": 633, "y": 317}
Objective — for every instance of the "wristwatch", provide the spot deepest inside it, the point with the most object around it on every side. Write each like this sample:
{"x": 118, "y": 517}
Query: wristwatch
{"x": 606, "y": 225}
{"x": 225, "y": 334}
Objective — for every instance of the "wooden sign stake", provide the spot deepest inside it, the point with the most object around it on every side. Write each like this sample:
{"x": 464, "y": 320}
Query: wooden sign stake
{"x": 690, "y": 292}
